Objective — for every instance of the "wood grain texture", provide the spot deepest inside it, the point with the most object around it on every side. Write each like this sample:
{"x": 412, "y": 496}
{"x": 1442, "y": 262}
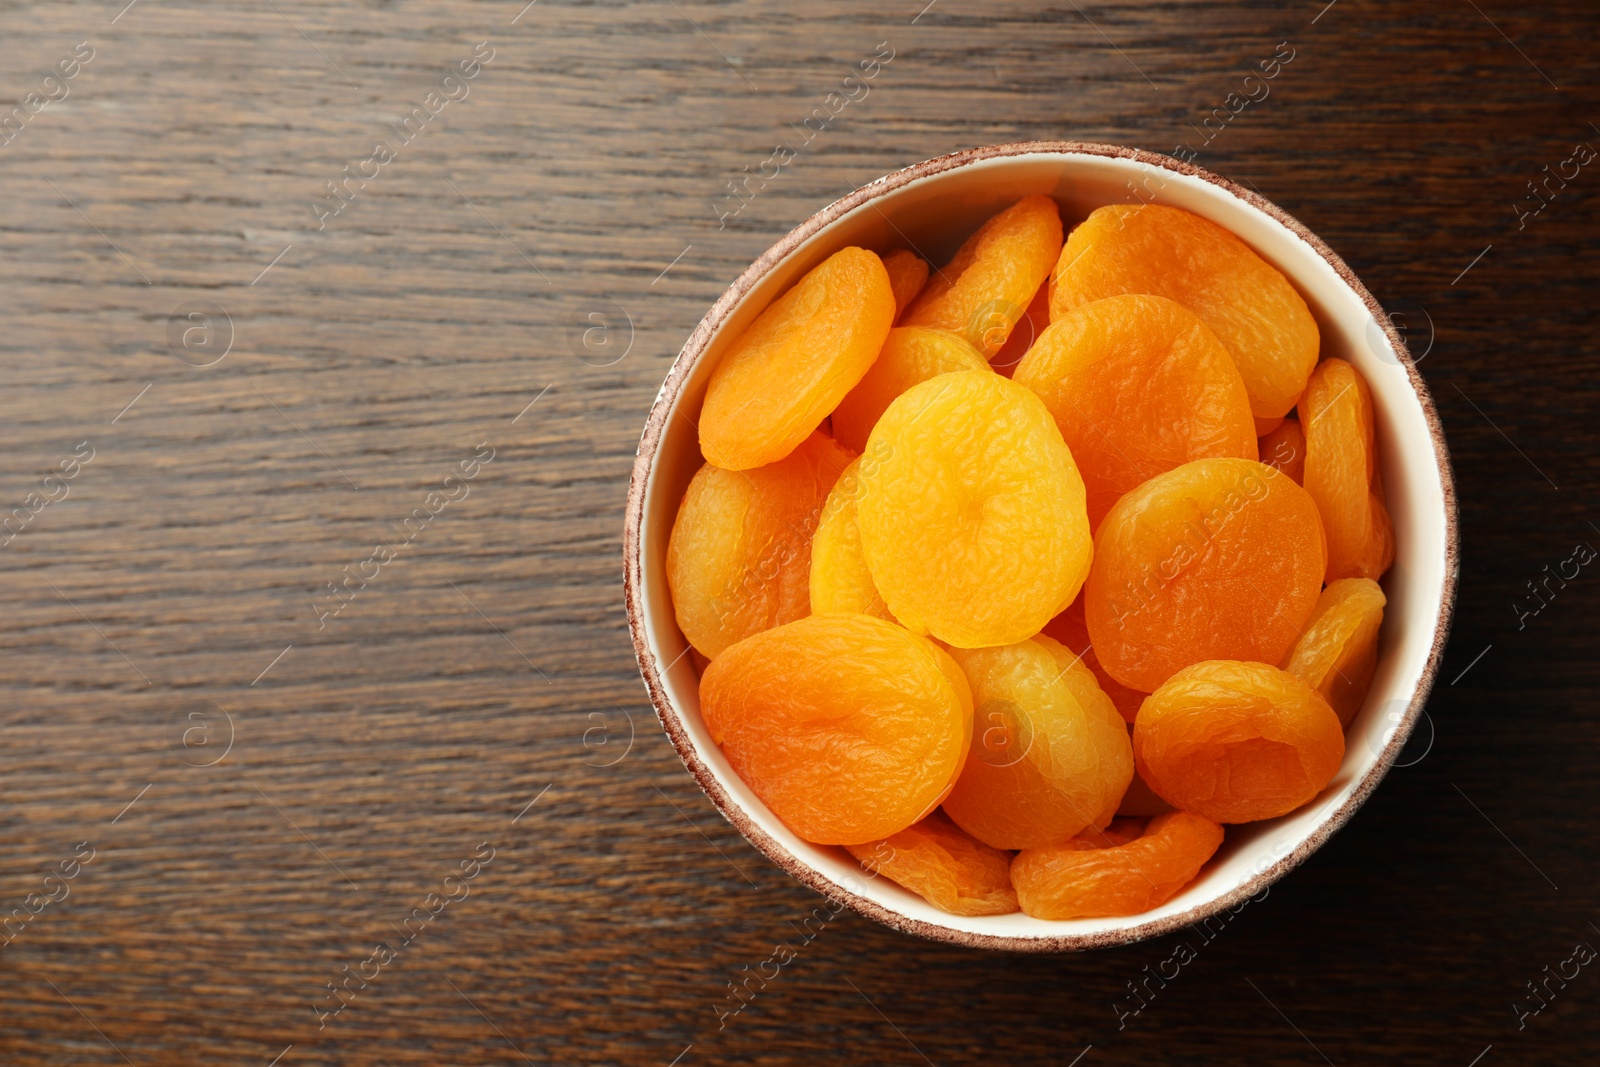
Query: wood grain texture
{"x": 489, "y": 660}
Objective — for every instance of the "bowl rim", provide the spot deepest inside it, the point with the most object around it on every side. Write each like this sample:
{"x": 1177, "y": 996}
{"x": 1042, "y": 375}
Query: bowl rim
{"x": 797, "y": 868}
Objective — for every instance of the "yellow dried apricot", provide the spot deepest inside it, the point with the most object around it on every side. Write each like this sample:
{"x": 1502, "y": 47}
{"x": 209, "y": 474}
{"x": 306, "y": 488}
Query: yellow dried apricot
{"x": 796, "y": 361}
{"x": 840, "y": 580}
{"x": 944, "y": 866}
{"x": 1086, "y": 689}
{"x": 1338, "y": 652}
{"x": 1341, "y": 472}
{"x": 1050, "y": 756}
{"x": 1070, "y": 629}
{"x": 973, "y": 520}
{"x": 908, "y": 273}
{"x": 984, "y": 290}
{"x": 1079, "y": 880}
{"x": 739, "y": 556}
{"x": 847, "y": 727}
{"x": 912, "y": 354}
{"x": 1166, "y": 251}
{"x": 1237, "y": 742}
{"x": 1138, "y": 385}
{"x": 1285, "y": 449}
{"x": 1217, "y": 559}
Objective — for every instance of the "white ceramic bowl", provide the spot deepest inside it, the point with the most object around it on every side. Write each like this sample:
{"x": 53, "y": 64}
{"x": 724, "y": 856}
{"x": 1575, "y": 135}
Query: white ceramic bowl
{"x": 932, "y": 207}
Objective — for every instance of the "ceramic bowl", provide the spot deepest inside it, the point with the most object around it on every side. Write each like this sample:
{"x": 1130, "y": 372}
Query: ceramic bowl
{"x": 931, "y": 208}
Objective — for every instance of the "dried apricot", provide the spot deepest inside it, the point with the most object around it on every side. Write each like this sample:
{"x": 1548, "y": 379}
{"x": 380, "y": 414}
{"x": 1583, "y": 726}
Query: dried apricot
{"x": 908, "y": 273}
{"x": 1069, "y": 629}
{"x": 1338, "y": 652}
{"x": 1078, "y": 880}
{"x": 944, "y": 866}
{"x": 912, "y": 354}
{"x": 1237, "y": 742}
{"x": 1166, "y": 251}
{"x": 1340, "y": 471}
{"x": 1138, "y": 385}
{"x": 739, "y": 557}
{"x": 973, "y": 520}
{"x": 1050, "y": 756}
{"x": 1285, "y": 449}
{"x": 1217, "y": 559}
{"x": 796, "y": 361}
{"x": 849, "y": 728}
{"x": 1034, "y": 321}
{"x": 840, "y": 580}
{"x": 984, "y": 290}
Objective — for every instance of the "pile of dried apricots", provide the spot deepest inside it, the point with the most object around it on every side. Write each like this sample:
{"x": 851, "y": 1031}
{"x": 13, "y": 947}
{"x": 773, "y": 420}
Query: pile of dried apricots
{"x": 1018, "y": 578}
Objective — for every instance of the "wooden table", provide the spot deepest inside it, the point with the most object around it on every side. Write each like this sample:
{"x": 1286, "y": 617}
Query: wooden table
{"x": 243, "y": 395}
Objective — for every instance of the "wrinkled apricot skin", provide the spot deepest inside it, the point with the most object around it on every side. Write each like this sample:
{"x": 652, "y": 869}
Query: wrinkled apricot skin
{"x": 840, "y": 580}
{"x": 1166, "y": 251}
{"x": 1341, "y": 474}
{"x": 1338, "y": 652}
{"x": 739, "y": 556}
{"x": 1138, "y": 385}
{"x": 944, "y": 866}
{"x": 1217, "y": 559}
{"x": 1078, "y": 880}
{"x": 910, "y": 354}
{"x": 908, "y": 273}
{"x": 1050, "y": 756}
{"x": 796, "y": 361}
{"x": 973, "y": 520}
{"x": 1285, "y": 449}
{"x": 986, "y": 288}
{"x": 1237, "y": 742}
{"x": 847, "y": 727}
{"x": 1069, "y": 629}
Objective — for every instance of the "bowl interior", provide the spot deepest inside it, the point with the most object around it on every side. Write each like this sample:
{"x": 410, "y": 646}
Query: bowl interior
{"x": 932, "y": 208}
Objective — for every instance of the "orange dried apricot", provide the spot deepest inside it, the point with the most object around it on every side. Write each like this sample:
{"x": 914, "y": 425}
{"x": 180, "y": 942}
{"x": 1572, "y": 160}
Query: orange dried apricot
{"x": 840, "y": 580}
{"x": 1217, "y": 559}
{"x": 1078, "y": 880}
{"x": 1138, "y": 385}
{"x": 1237, "y": 742}
{"x": 1069, "y": 629}
{"x": 796, "y": 361}
{"x": 984, "y": 290}
{"x": 973, "y": 520}
{"x": 849, "y": 728}
{"x": 908, "y": 273}
{"x": 1034, "y": 321}
{"x": 739, "y": 556}
{"x": 1338, "y": 652}
{"x": 1050, "y": 756}
{"x": 1285, "y": 449}
{"x": 1341, "y": 472}
{"x": 944, "y": 866}
{"x": 1166, "y": 251}
{"x": 910, "y": 355}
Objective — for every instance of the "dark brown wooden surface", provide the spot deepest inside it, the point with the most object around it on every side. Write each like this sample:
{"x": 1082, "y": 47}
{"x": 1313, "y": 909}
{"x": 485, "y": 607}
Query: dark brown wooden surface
{"x": 174, "y": 590}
